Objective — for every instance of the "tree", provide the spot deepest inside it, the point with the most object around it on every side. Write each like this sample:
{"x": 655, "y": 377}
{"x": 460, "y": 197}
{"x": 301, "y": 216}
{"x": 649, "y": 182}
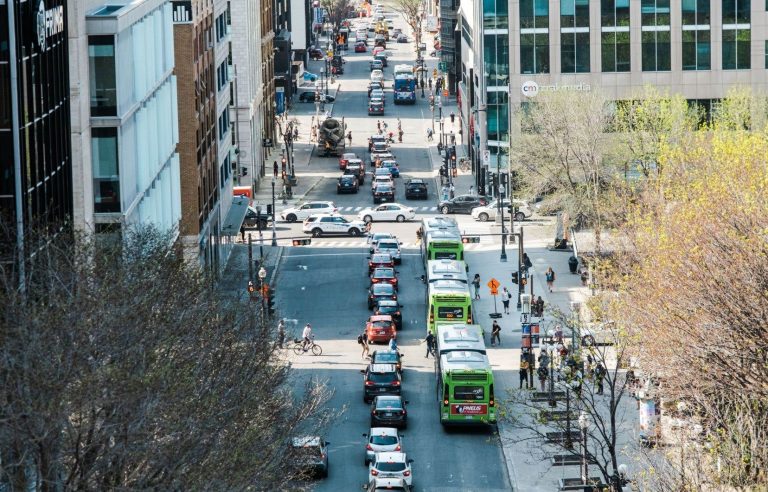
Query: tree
{"x": 338, "y": 10}
{"x": 648, "y": 122}
{"x": 123, "y": 368}
{"x": 740, "y": 110}
{"x": 411, "y": 10}
{"x": 560, "y": 152}
{"x": 694, "y": 292}
{"x": 599, "y": 394}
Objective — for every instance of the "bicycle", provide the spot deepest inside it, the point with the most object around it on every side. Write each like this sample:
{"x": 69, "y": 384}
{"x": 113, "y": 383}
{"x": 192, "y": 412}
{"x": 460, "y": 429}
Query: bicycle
{"x": 299, "y": 347}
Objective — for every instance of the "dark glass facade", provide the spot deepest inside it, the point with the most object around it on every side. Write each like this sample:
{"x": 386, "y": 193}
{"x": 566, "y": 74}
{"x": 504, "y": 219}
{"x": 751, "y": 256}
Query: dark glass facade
{"x": 42, "y": 95}
{"x": 656, "y": 48}
{"x": 614, "y": 38}
{"x": 534, "y": 36}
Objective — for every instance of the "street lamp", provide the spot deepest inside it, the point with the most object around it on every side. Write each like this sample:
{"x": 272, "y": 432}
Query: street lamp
{"x": 551, "y": 358}
{"x": 274, "y": 214}
{"x": 261, "y": 234}
{"x": 584, "y": 425}
{"x": 503, "y": 257}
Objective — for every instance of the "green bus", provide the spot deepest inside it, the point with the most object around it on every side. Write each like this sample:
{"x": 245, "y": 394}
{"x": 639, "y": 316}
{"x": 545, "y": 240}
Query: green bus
{"x": 448, "y": 301}
{"x": 459, "y": 337}
{"x": 465, "y": 389}
{"x": 447, "y": 270}
{"x": 440, "y": 239}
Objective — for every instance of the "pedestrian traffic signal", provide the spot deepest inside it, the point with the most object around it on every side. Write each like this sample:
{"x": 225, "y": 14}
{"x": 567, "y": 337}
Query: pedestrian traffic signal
{"x": 302, "y": 242}
{"x": 470, "y": 239}
{"x": 515, "y": 277}
{"x": 269, "y": 209}
{"x": 271, "y": 303}
{"x": 523, "y": 280}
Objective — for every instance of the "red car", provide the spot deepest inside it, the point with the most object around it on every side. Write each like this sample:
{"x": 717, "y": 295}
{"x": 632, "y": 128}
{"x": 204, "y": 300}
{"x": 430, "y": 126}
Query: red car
{"x": 384, "y": 275}
{"x": 361, "y": 47}
{"x": 380, "y": 329}
{"x": 344, "y": 159}
{"x": 380, "y": 260}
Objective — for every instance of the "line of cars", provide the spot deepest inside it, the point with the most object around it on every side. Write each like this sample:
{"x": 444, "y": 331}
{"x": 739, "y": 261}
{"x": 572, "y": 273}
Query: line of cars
{"x": 484, "y": 209}
{"x": 389, "y": 468}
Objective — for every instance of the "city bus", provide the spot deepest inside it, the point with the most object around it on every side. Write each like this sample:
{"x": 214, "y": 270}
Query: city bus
{"x": 447, "y": 270}
{"x": 465, "y": 389}
{"x": 448, "y": 301}
{"x": 403, "y": 69}
{"x": 440, "y": 245}
{"x": 459, "y": 337}
{"x": 404, "y": 88}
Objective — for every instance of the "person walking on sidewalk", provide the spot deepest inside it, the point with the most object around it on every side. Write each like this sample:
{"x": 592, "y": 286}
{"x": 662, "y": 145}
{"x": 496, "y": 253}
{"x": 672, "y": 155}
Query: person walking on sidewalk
{"x": 549, "y": 276}
{"x": 281, "y": 333}
{"x": 430, "y": 340}
{"x": 274, "y": 168}
{"x": 539, "y": 303}
{"x": 429, "y": 135}
{"x": 349, "y": 137}
{"x": 378, "y": 125}
{"x": 495, "y": 333}
{"x": 599, "y": 377}
{"x": 505, "y": 297}
{"x": 543, "y": 374}
{"x": 476, "y": 284}
{"x": 524, "y": 373}
{"x": 362, "y": 339}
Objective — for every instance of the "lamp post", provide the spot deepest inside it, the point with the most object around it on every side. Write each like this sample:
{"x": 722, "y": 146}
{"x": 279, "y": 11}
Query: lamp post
{"x": 584, "y": 426}
{"x": 551, "y": 354}
{"x": 274, "y": 214}
{"x": 503, "y": 257}
{"x": 261, "y": 234}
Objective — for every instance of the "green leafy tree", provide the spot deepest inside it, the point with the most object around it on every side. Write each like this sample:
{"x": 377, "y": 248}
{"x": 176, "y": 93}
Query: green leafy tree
{"x": 411, "y": 10}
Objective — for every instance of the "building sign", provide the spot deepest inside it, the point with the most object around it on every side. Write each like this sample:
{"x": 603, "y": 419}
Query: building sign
{"x": 182, "y": 11}
{"x": 48, "y": 22}
{"x": 532, "y": 89}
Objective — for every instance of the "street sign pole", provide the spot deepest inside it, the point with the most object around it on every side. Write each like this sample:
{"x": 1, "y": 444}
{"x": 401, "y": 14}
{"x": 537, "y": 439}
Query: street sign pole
{"x": 493, "y": 284}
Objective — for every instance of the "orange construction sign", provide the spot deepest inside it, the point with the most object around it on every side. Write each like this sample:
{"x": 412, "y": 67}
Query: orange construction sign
{"x": 493, "y": 284}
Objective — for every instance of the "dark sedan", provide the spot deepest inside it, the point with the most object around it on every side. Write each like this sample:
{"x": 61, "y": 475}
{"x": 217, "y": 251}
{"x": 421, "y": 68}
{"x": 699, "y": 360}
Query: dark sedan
{"x": 462, "y": 204}
{"x": 381, "y": 292}
{"x": 347, "y": 184}
{"x": 389, "y": 411}
{"x": 384, "y": 193}
{"x": 309, "y": 96}
{"x": 391, "y": 308}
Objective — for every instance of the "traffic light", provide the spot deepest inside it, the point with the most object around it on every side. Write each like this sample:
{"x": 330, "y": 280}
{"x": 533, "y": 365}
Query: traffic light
{"x": 523, "y": 280}
{"x": 251, "y": 287}
{"x": 470, "y": 239}
{"x": 269, "y": 209}
{"x": 271, "y": 302}
{"x": 302, "y": 242}
{"x": 515, "y": 277}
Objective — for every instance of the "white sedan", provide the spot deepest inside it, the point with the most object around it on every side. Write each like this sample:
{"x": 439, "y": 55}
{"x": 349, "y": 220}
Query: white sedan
{"x": 488, "y": 212}
{"x": 391, "y": 465}
{"x": 387, "y": 212}
{"x": 377, "y": 76}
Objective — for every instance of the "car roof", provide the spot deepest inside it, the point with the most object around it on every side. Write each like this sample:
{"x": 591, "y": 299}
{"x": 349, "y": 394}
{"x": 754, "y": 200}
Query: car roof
{"x": 380, "y": 317}
{"x": 416, "y": 181}
{"x": 382, "y": 368}
{"x": 388, "y": 303}
{"x": 396, "y": 456}
{"x": 383, "y": 431}
{"x": 379, "y": 256}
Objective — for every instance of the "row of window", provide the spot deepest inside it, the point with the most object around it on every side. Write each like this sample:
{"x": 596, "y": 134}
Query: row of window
{"x": 223, "y": 124}
{"x": 615, "y": 40}
{"x": 222, "y": 75}
{"x": 222, "y": 25}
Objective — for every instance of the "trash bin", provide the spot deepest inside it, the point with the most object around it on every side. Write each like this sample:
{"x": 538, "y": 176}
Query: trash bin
{"x": 573, "y": 264}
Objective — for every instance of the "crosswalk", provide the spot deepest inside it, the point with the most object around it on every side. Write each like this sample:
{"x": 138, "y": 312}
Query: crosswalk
{"x": 361, "y": 244}
{"x": 349, "y": 210}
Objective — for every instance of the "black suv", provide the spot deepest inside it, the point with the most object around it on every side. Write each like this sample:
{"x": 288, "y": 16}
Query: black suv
{"x": 462, "y": 204}
{"x": 391, "y": 308}
{"x": 416, "y": 188}
{"x": 389, "y": 411}
{"x": 255, "y": 219}
{"x": 384, "y": 193}
{"x": 347, "y": 184}
{"x": 357, "y": 170}
{"x": 380, "y": 379}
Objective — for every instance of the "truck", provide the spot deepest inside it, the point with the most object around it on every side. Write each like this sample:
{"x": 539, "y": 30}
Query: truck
{"x": 331, "y": 135}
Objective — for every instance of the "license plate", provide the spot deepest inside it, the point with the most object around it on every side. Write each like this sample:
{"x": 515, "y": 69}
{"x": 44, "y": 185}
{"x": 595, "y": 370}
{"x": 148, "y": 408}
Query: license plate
{"x": 387, "y": 414}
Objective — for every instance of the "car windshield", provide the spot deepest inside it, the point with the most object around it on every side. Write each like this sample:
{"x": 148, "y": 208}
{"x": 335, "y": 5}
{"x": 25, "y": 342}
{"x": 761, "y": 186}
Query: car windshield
{"x": 386, "y": 403}
{"x": 387, "y": 245}
{"x": 381, "y": 324}
{"x": 390, "y": 467}
{"x": 383, "y": 289}
{"x": 381, "y": 235}
{"x": 384, "y": 273}
{"x": 387, "y": 309}
{"x": 385, "y": 358}
{"x": 384, "y": 440}
{"x": 384, "y": 189}
{"x": 386, "y": 377}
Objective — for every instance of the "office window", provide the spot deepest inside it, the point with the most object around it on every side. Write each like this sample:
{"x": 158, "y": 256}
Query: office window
{"x": 574, "y": 36}
{"x": 496, "y": 59}
{"x": 696, "y": 35}
{"x": 223, "y": 124}
{"x": 737, "y": 34}
{"x": 534, "y": 36}
{"x": 101, "y": 72}
{"x": 614, "y": 36}
{"x": 656, "y": 48}
{"x": 495, "y": 14}
{"x": 106, "y": 170}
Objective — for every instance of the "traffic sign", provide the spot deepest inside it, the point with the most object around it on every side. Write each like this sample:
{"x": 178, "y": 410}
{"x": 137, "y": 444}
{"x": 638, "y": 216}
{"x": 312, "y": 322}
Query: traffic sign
{"x": 493, "y": 284}
{"x": 486, "y": 157}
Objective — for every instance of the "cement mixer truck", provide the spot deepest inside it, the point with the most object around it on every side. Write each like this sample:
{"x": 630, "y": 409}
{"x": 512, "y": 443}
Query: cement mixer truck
{"x": 331, "y": 136}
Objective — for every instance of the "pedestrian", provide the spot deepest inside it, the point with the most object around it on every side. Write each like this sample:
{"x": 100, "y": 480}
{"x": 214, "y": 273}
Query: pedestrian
{"x": 393, "y": 344}
{"x": 495, "y": 333}
{"x": 524, "y": 373}
{"x": 584, "y": 277}
{"x": 430, "y": 343}
{"x": 549, "y": 275}
{"x": 505, "y": 297}
{"x": 362, "y": 339}
{"x": 400, "y": 136}
{"x": 384, "y": 125}
{"x": 274, "y": 168}
{"x": 453, "y": 191}
{"x": 281, "y": 333}
{"x": 599, "y": 377}
{"x": 471, "y": 189}
{"x": 349, "y": 137}
{"x": 283, "y": 168}
{"x": 429, "y": 135}
{"x": 242, "y": 231}
{"x": 399, "y": 124}
{"x": 378, "y": 125}
{"x": 558, "y": 334}
{"x": 527, "y": 263}
{"x": 429, "y": 83}
{"x": 476, "y": 284}
{"x": 445, "y": 192}
{"x": 539, "y": 307}
{"x": 543, "y": 374}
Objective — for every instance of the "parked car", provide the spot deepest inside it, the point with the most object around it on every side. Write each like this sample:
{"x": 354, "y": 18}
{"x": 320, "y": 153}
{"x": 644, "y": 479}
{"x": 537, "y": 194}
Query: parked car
{"x": 488, "y": 212}
{"x": 402, "y": 38}
{"x": 255, "y": 219}
{"x": 461, "y": 204}
{"x": 316, "y": 53}
{"x": 347, "y": 183}
{"x": 380, "y": 379}
{"x": 387, "y": 212}
{"x": 381, "y": 439}
{"x": 320, "y": 225}
{"x": 416, "y": 188}
{"x": 310, "y": 455}
{"x": 304, "y": 210}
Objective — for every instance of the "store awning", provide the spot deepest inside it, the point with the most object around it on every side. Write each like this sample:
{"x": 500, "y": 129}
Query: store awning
{"x": 235, "y": 216}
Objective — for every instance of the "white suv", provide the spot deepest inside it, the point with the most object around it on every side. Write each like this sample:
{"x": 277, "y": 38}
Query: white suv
{"x": 488, "y": 212}
{"x": 319, "y": 225}
{"x": 304, "y": 210}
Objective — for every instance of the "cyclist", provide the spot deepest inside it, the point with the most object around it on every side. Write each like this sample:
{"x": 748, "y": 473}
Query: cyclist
{"x": 307, "y": 336}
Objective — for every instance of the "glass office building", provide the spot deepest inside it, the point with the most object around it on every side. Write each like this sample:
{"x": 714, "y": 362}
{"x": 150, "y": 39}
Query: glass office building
{"x": 35, "y": 151}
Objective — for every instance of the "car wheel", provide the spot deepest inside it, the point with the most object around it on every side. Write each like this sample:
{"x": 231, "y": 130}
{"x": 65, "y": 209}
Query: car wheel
{"x": 483, "y": 217}
{"x": 367, "y": 219}
{"x": 317, "y": 232}
{"x": 444, "y": 210}
{"x": 291, "y": 218}
{"x": 400, "y": 218}
{"x": 519, "y": 216}
{"x": 354, "y": 232}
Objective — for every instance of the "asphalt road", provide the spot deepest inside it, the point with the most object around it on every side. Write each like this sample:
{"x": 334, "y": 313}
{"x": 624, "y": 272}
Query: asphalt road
{"x": 326, "y": 283}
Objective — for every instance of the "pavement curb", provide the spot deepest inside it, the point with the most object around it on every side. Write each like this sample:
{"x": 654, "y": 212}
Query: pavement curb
{"x": 277, "y": 265}
{"x": 309, "y": 190}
